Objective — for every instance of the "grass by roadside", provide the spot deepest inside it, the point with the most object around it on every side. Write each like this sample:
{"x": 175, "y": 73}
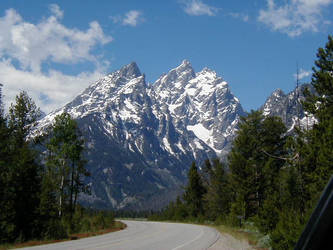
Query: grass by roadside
{"x": 253, "y": 237}
{"x": 248, "y": 232}
{"x": 129, "y": 218}
{"x": 117, "y": 226}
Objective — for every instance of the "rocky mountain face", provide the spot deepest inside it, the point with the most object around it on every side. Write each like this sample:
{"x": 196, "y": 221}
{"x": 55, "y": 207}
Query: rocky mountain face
{"x": 289, "y": 107}
{"x": 142, "y": 138}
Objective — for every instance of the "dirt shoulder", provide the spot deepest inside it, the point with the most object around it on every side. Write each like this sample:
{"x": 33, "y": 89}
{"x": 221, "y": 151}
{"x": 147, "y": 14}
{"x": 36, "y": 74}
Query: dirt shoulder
{"x": 228, "y": 242}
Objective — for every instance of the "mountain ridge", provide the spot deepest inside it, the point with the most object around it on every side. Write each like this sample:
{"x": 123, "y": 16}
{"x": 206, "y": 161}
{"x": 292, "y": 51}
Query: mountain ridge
{"x": 142, "y": 138}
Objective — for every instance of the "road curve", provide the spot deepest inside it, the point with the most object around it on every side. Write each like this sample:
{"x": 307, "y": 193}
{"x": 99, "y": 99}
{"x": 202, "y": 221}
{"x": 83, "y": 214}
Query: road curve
{"x": 144, "y": 235}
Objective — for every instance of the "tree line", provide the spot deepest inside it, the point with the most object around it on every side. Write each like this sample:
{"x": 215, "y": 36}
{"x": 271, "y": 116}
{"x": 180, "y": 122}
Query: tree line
{"x": 40, "y": 176}
{"x": 272, "y": 178}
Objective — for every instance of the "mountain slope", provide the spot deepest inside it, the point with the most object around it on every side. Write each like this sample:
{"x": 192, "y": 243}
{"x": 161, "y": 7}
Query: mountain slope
{"x": 289, "y": 107}
{"x": 141, "y": 138}
{"x": 201, "y": 104}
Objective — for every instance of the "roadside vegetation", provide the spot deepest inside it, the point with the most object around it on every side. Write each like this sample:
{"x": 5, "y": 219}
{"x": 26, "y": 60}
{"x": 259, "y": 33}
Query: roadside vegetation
{"x": 42, "y": 177}
{"x": 87, "y": 223}
{"x": 273, "y": 179}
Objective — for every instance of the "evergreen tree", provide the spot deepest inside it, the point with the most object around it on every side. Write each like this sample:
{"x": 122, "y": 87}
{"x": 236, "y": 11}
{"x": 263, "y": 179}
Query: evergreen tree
{"x": 218, "y": 196}
{"x": 246, "y": 174}
{"x": 255, "y": 161}
{"x": 65, "y": 165}
{"x": 7, "y": 194}
{"x": 194, "y": 192}
{"x": 1, "y": 102}
{"x": 23, "y": 117}
{"x": 320, "y": 104}
{"x": 312, "y": 163}
{"x": 23, "y": 169}
{"x": 180, "y": 212}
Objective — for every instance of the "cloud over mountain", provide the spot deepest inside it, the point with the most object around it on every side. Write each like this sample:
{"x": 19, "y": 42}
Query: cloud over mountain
{"x": 25, "y": 48}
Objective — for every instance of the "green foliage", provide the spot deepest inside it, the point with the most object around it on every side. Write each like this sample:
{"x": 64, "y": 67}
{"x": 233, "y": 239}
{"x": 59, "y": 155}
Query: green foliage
{"x": 54, "y": 229}
{"x": 7, "y": 191}
{"x": 312, "y": 164}
{"x": 91, "y": 221}
{"x": 23, "y": 116}
{"x": 255, "y": 160}
{"x": 237, "y": 212}
{"x": 287, "y": 231}
{"x": 194, "y": 192}
{"x": 218, "y": 196}
{"x": 29, "y": 192}
{"x": 20, "y": 172}
{"x": 321, "y": 103}
{"x": 64, "y": 167}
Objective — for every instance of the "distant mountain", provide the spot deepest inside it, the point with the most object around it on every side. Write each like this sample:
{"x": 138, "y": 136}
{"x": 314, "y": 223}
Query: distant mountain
{"x": 289, "y": 107}
{"x": 142, "y": 138}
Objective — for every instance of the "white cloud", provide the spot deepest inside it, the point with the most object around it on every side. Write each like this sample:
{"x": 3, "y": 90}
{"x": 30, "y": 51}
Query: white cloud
{"x": 243, "y": 17}
{"x": 32, "y": 44}
{"x": 49, "y": 91}
{"x": 303, "y": 74}
{"x": 25, "y": 47}
{"x": 132, "y": 18}
{"x": 56, "y": 11}
{"x": 198, "y": 8}
{"x": 295, "y": 16}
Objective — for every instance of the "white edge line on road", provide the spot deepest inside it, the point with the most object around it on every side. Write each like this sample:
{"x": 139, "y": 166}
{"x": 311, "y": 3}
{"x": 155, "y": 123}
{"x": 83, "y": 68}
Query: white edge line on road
{"x": 189, "y": 242}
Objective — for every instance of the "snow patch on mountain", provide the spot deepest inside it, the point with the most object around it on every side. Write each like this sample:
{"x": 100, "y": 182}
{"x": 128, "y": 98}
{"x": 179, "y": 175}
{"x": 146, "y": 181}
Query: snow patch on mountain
{"x": 289, "y": 108}
{"x": 142, "y": 137}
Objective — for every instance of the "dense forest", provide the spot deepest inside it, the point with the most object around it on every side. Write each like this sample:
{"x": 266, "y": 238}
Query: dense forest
{"x": 41, "y": 177}
{"x": 272, "y": 178}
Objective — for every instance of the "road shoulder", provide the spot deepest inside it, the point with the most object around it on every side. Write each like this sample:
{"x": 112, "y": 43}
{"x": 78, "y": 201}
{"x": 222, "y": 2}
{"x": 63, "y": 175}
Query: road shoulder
{"x": 227, "y": 242}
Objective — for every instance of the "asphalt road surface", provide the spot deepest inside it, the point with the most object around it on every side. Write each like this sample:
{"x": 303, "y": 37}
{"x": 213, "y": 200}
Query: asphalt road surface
{"x": 143, "y": 235}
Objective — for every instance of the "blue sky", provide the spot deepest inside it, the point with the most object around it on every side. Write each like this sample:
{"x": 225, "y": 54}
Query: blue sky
{"x": 55, "y": 49}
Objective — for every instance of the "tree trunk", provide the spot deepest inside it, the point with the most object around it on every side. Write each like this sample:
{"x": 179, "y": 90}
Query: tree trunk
{"x": 61, "y": 195}
{"x": 71, "y": 194}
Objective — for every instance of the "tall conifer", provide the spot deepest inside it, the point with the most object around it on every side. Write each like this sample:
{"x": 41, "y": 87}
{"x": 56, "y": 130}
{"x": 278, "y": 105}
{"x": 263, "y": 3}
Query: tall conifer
{"x": 24, "y": 171}
{"x": 194, "y": 192}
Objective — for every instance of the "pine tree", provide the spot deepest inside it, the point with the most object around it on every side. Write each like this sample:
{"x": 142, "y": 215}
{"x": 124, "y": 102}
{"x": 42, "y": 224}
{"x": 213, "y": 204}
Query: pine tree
{"x": 320, "y": 104}
{"x": 311, "y": 166}
{"x": 180, "y": 212}
{"x": 194, "y": 192}
{"x": 24, "y": 171}
{"x": 1, "y": 102}
{"x": 218, "y": 196}
{"x": 65, "y": 165}
{"x": 23, "y": 117}
{"x": 246, "y": 174}
{"x": 255, "y": 160}
{"x": 7, "y": 194}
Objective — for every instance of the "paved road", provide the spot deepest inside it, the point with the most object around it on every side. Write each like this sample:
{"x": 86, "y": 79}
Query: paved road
{"x": 143, "y": 235}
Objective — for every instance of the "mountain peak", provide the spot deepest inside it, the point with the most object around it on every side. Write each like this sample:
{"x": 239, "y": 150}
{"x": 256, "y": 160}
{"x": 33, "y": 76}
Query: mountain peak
{"x": 208, "y": 71}
{"x": 184, "y": 66}
{"x": 185, "y": 63}
{"x": 278, "y": 92}
{"x": 130, "y": 70}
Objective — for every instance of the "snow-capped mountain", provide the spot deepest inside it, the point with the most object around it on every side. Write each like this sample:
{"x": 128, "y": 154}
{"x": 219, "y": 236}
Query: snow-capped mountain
{"x": 200, "y": 104}
{"x": 289, "y": 107}
{"x": 142, "y": 138}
